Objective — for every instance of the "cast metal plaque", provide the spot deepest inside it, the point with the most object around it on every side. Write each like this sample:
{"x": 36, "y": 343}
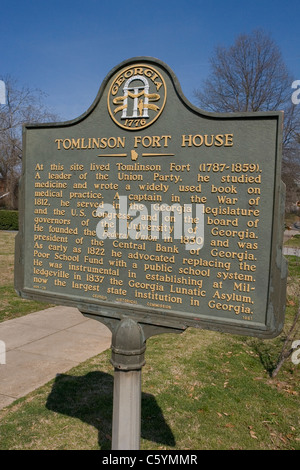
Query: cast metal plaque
{"x": 148, "y": 207}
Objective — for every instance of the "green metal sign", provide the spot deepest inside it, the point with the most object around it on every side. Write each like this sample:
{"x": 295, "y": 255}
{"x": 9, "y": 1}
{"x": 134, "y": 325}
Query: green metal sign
{"x": 149, "y": 208}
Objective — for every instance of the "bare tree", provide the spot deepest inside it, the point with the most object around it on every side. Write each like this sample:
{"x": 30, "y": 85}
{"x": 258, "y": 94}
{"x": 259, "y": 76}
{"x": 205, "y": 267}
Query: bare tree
{"x": 288, "y": 344}
{"x": 252, "y": 76}
{"x": 248, "y": 76}
{"x": 23, "y": 105}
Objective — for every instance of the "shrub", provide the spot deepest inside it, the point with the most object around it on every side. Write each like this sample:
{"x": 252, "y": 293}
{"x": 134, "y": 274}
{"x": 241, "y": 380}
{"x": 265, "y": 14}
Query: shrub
{"x": 9, "y": 220}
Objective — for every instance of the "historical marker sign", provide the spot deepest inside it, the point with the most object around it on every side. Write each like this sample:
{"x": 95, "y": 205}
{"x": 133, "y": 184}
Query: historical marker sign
{"x": 148, "y": 207}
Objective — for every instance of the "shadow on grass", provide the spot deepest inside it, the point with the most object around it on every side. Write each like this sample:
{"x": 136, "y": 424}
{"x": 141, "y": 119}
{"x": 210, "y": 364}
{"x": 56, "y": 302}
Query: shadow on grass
{"x": 268, "y": 353}
{"x": 90, "y": 399}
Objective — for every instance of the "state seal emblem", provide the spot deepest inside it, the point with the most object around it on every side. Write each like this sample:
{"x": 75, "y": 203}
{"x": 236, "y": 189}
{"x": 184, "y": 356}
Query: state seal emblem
{"x": 136, "y": 97}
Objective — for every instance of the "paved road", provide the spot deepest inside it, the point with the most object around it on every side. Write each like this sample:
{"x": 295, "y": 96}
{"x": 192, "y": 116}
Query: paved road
{"x": 287, "y": 250}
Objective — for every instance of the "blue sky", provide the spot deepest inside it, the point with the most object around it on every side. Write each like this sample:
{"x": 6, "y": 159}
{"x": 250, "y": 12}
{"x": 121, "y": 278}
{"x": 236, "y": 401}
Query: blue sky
{"x": 67, "y": 47}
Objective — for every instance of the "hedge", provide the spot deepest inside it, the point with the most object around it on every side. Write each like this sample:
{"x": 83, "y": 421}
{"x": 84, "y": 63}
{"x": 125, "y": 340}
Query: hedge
{"x": 9, "y": 220}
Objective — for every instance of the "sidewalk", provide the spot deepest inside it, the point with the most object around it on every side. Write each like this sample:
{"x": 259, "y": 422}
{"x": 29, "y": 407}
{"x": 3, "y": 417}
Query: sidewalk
{"x": 43, "y": 344}
{"x": 289, "y": 250}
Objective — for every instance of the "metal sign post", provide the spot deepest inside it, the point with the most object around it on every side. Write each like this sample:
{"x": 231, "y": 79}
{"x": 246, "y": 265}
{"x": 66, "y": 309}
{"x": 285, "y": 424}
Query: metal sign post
{"x": 128, "y": 348}
{"x": 128, "y": 357}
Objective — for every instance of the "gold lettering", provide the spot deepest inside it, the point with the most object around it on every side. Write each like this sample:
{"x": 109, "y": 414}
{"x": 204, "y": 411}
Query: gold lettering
{"x": 197, "y": 140}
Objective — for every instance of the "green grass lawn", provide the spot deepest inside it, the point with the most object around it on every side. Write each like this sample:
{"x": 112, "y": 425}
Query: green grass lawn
{"x": 200, "y": 390}
{"x": 294, "y": 241}
{"x": 11, "y": 305}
